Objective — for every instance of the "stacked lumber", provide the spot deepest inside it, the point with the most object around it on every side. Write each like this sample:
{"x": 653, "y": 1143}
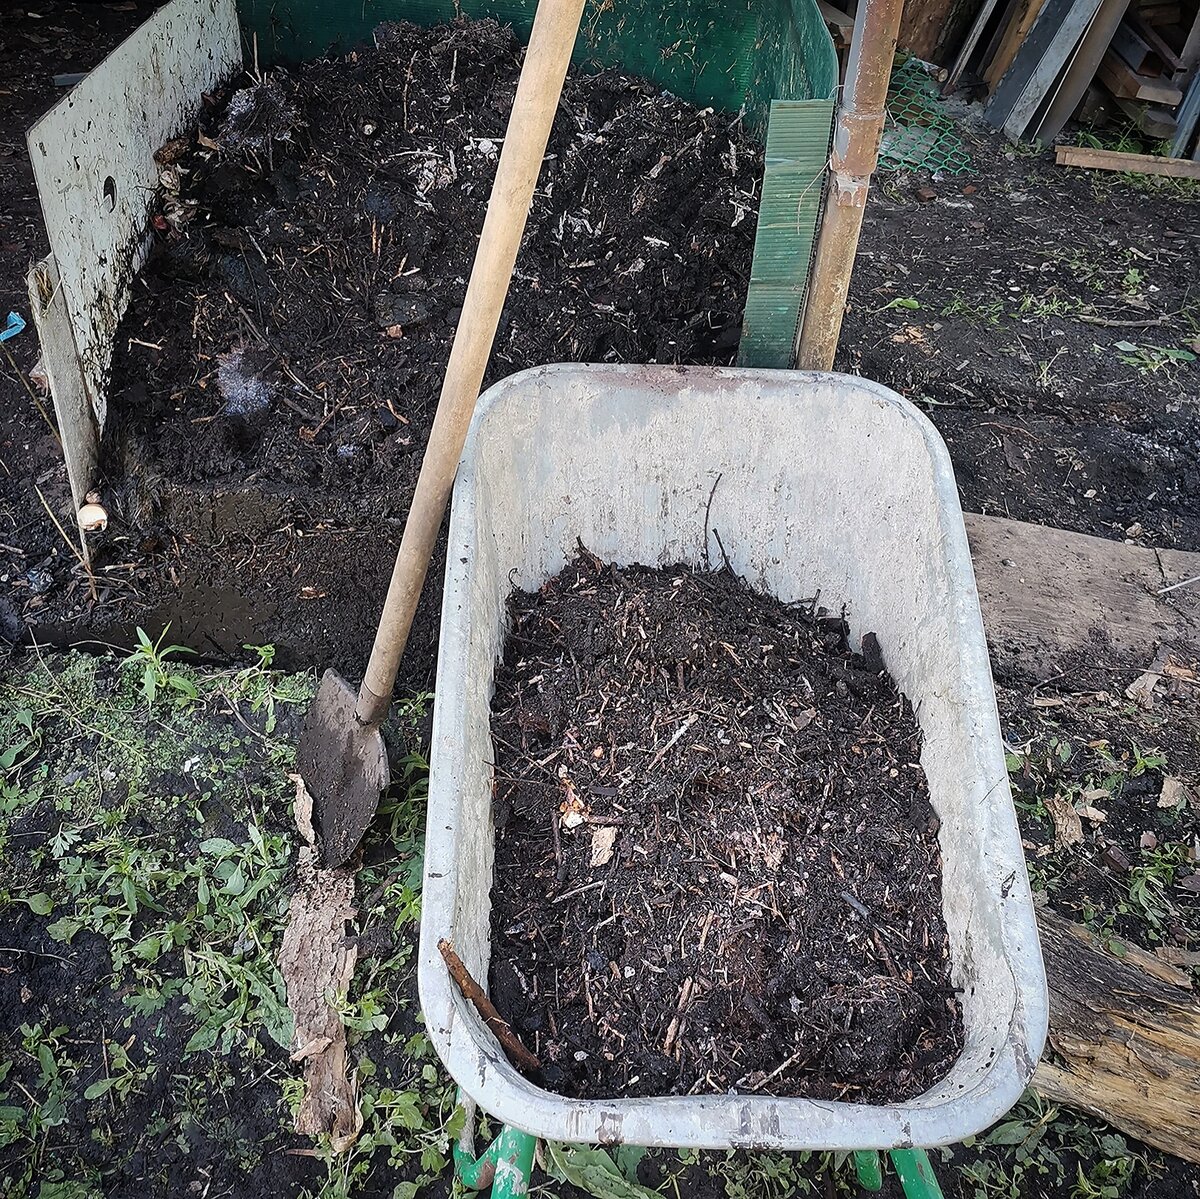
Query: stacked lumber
{"x": 1044, "y": 61}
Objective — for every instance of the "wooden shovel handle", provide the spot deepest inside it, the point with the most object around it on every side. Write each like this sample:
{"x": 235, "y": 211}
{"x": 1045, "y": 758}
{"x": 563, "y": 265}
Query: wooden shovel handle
{"x": 554, "y": 28}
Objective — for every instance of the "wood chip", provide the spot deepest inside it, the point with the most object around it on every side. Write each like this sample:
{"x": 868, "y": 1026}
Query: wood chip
{"x": 603, "y": 840}
{"x": 1141, "y": 690}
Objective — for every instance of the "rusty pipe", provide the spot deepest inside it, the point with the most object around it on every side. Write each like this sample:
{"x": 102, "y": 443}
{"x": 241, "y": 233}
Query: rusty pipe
{"x": 852, "y": 160}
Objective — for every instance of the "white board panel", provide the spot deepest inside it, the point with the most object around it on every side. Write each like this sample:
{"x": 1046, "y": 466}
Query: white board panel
{"x": 93, "y": 161}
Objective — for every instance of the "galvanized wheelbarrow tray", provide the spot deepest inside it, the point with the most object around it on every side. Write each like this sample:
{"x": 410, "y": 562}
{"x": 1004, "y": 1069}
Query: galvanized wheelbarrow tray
{"x": 828, "y": 484}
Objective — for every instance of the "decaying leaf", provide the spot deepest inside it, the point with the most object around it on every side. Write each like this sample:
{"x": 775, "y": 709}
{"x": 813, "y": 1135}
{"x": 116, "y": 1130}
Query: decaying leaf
{"x": 603, "y": 840}
{"x": 592, "y": 1170}
{"x": 1141, "y": 690}
{"x": 1173, "y": 792}
{"x": 1068, "y": 829}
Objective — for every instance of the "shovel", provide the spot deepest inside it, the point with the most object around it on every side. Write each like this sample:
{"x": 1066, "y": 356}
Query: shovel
{"x": 341, "y": 755}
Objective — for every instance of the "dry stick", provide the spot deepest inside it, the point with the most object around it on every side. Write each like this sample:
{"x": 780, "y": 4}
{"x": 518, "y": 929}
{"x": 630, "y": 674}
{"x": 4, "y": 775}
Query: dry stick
{"x": 520, "y": 1057}
{"x": 1176, "y": 586}
{"x": 37, "y": 403}
{"x": 80, "y": 556}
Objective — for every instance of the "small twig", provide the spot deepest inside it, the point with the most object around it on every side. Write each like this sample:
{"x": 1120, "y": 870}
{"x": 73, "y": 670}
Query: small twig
{"x": 37, "y": 403}
{"x": 707, "y": 510}
{"x": 517, "y": 1053}
{"x": 1176, "y": 586}
{"x": 69, "y": 543}
{"x": 579, "y": 890}
{"x": 683, "y": 728}
{"x": 724, "y": 555}
{"x": 1099, "y": 320}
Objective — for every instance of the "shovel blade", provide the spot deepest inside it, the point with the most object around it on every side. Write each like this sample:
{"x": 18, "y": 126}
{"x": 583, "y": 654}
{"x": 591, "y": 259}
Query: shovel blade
{"x": 345, "y": 768}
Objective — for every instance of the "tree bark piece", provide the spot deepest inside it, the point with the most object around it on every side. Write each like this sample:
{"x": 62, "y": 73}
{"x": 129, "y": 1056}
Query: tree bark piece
{"x": 317, "y": 960}
{"x": 1127, "y": 1040}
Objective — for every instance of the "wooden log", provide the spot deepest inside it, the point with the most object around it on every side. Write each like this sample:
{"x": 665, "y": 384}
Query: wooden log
{"x": 1126, "y": 1040}
{"x": 1125, "y": 83}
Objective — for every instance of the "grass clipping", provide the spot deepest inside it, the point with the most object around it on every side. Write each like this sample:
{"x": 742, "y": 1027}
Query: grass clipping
{"x": 317, "y": 960}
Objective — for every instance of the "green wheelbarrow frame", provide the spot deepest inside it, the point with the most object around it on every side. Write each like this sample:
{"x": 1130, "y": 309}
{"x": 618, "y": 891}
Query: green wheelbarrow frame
{"x": 506, "y": 1165}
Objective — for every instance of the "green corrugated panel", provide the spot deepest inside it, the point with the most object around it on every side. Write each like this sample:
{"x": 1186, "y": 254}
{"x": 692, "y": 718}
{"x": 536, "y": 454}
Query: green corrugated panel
{"x": 793, "y": 183}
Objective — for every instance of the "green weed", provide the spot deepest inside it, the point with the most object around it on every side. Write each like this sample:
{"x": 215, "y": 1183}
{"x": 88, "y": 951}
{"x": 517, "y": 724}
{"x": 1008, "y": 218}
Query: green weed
{"x": 150, "y": 657}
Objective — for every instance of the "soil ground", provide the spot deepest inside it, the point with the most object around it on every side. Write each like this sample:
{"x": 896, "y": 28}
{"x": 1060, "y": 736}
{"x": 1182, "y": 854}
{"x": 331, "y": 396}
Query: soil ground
{"x": 1027, "y": 264}
{"x": 717, "y": 864}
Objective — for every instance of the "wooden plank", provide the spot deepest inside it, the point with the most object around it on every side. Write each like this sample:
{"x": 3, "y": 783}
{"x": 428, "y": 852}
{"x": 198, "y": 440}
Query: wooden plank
{"x": 840, "y": 24}
{"x": 1143, "y": 164}
{"x": 93, "y": 161}
{"x": 1029, "y": 55}
{"x": 1189, "y": 56}
{"x": 1045, "y": 592}
{"x": 1155, "y": 122}
{"x": 1138, "y": 54}
{"x": 1125, "y": 83}
{"x": 1019, "y": 24}
{"x": 1127, "y": 1039}
{"x": 1062, "y": 45}
{"x": 998, "y": 35}
{"x": 968, "y": 47}
{"x": 1186, "y": 120}
{"x": 73, "y": 410}
{"x": 1082, "y": 70}
{"x": 1159, "y": 14}
{"x": 1155, "y": 41}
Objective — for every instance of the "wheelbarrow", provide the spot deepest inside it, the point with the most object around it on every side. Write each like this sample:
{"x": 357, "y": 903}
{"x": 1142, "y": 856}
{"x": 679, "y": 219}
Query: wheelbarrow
{"x": 828, "y": 485}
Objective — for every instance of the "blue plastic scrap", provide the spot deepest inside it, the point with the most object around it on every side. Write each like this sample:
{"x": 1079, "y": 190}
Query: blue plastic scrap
{"x": 14, "y": 326}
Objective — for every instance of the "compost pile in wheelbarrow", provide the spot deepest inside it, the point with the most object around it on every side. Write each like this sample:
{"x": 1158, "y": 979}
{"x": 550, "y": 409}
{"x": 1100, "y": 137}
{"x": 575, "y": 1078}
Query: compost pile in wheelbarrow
{"x": 716, "y": 861}
{"x": 285, "y": 347}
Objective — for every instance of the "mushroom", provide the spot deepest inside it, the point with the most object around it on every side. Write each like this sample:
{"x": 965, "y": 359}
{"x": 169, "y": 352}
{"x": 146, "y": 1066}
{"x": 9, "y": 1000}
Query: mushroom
{"x": 93, "y": 518}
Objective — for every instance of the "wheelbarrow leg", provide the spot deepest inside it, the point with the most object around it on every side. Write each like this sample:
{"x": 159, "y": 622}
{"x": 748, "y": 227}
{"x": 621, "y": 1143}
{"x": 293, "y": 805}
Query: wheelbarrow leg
{"x": 506, "y": 1165}
{"x": 915, "y": 1172}
{"x": 869, "y": 1169}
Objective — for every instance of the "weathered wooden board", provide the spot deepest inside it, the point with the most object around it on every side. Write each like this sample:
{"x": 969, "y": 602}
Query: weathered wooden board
{"x": 1047, "y": 593}
{"x": 1124, "y": 82}
{"x": 1081, "y": 70}
{"x": 1112, "y": 160}
{"x": 93, "y": 162}
{"x": 1019, "y": 24}
{"x": 1057, "y": 54}
{"x": 1029, "y": 55}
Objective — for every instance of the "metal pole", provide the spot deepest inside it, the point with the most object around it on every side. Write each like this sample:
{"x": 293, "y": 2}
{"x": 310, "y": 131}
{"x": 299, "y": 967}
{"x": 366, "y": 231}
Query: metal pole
{"x": 855, "y": 152}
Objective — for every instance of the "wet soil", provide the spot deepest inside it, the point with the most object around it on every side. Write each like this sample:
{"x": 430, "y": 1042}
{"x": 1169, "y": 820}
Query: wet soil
{"x": 277, "y": 370}
{"x": 37, "y": 42}
{"x": 716, "y": 862}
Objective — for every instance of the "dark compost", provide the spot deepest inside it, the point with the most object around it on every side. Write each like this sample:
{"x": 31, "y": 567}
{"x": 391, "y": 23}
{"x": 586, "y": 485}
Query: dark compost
{"x": 716, "y": 864}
